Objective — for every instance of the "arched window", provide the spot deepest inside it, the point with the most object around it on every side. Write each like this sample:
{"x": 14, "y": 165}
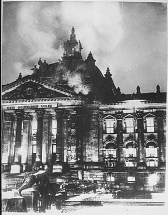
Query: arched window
{"x": 151, "y": 150}
{"x": 152, "y": 162}
{"x": 130, "y": 150}
{"x": 109, "y": 125}
{"x": 110, "y": 154}
{"x": 110, "y": 150}
{"x": 129, "y": 124}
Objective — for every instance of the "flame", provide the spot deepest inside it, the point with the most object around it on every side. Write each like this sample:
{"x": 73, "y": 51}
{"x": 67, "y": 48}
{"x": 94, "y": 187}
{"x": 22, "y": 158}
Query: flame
{"x": 75, "y": 80}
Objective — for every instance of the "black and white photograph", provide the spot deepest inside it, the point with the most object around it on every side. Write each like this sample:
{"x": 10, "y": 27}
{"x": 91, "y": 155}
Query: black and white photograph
{"x": 83, "y": 107}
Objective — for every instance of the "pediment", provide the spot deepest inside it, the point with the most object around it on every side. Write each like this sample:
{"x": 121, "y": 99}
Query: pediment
{"x": 129, "y": 116}
{"x": 149, "y": 115}
{"x": 31, "y": 89}
{"x": 109, "y": 117}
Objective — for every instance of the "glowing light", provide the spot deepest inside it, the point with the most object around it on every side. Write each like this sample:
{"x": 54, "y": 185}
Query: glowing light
{"x": 131, "y": 179}
{"x": 23, "y": 152}
{"x": 153, "y": 179}
{"x": 110, "y": 178}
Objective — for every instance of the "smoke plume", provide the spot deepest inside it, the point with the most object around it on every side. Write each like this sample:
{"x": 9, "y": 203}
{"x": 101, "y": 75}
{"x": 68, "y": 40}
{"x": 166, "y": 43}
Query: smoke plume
{"x": 129, "y": 38}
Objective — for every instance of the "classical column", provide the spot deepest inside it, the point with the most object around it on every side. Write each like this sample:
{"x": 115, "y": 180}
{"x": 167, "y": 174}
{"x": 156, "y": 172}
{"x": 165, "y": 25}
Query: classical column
{"x": 6, "y": 138}
{"x": 32, "y": 136}
{"x": 65, "y": 118}
{"x": 71, "y": 137}
{"x": 52, "y": 135}
{"x": 25, "y": 138}
{"x": 119, "y": 116}
{"x": 40, "y": 114}
{"x": 140, "y": 154}
{"x": 13, "y": 139}
{"x": 79, "y": 134}
{"x": 19, "y": 115}
{"x": 161, "y": 142}
{"x": 45, "y": 137}
{"x": 59, "y": 114}
{"x": 100, "y": 140}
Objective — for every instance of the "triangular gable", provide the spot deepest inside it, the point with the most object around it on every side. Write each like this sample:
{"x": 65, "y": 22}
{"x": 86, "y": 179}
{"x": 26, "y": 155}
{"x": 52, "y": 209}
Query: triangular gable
{"x": 149, "y": 115}
{"x": 129, "y": 116}
{"x": 30, "y": 88}
{"x": 109, "y": 117}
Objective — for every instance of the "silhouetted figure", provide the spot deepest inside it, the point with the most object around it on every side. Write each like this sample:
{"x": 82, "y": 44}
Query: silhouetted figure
{"x": 39, "y": 177}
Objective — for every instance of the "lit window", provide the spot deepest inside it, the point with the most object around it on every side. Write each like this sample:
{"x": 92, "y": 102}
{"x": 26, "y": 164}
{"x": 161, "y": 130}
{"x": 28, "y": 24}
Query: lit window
{"x": 34, "y": 129}
{"x": 110, "y": 163}
{"x": 129, "y": 125}
{"x": 150, "y": 124}
{"x": 151, "y": 151}
{"x": 109, "y": 126}
{"x": 54, "y": 129}
{"x": 152, "y": 163}
{"x": 110, "y": 178}
{"x": 131, "y": 179}
{"x": 110, "y": 153}
{"x": 130, "y": 151}
{"x": 33, "y": 149}
{"x": 164, "y": 124}
{"x": 54, "y": 148}
{"x": 130, "y": 164}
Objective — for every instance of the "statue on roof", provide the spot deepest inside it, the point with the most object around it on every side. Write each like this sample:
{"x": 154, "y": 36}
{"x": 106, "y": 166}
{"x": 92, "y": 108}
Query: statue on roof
{"x": 40, "y": 62}
{"x": 20, "y": 75}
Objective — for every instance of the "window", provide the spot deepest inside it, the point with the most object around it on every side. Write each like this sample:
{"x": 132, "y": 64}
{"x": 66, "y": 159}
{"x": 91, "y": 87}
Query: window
{"x": 164, "y": 123}
{"x": 34, "y": 138}
{"x": 130, "y": 151}
{"x": 34, "y": 149}
{"x": 152, "y": 163}
{"x": 130, "y": 163}
{"x": 109, "y": 125}
{"x": 110, "y": 163}
{"x": 34, "y": 129}
{"x": 110, "y": 178}
{"x": 110, "y": 151}
{"x": 131, "y": 179}
{"x": 129, "y": 122}
{"x": 151, "y": 150}
{"x": 54, "y": 129}
{"x": 150, "y": 124}
{"x": 54, "y": 150}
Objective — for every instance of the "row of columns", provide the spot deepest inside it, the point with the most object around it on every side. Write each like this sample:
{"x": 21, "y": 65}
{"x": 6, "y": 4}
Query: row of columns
{"x": 18, "y": 135}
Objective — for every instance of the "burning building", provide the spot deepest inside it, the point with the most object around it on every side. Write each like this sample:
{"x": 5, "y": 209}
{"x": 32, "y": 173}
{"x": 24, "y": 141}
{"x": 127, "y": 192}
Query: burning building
{"x": 68, "y": 114}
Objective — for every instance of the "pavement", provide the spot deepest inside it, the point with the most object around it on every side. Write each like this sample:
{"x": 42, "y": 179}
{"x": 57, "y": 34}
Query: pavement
{"x": 108, "y": 206}
{"x": 103, "y": 210}
{"x": 108, "y": 198}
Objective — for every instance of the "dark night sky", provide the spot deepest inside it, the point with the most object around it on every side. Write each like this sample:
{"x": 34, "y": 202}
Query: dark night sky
{"x": 129, "y": 38}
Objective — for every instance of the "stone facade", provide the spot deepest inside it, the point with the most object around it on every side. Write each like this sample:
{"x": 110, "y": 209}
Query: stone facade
{"x": 94, "y": 134}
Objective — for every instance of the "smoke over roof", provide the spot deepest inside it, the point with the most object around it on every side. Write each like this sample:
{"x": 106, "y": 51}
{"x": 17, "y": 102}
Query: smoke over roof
{"x": 129, "y": 38}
